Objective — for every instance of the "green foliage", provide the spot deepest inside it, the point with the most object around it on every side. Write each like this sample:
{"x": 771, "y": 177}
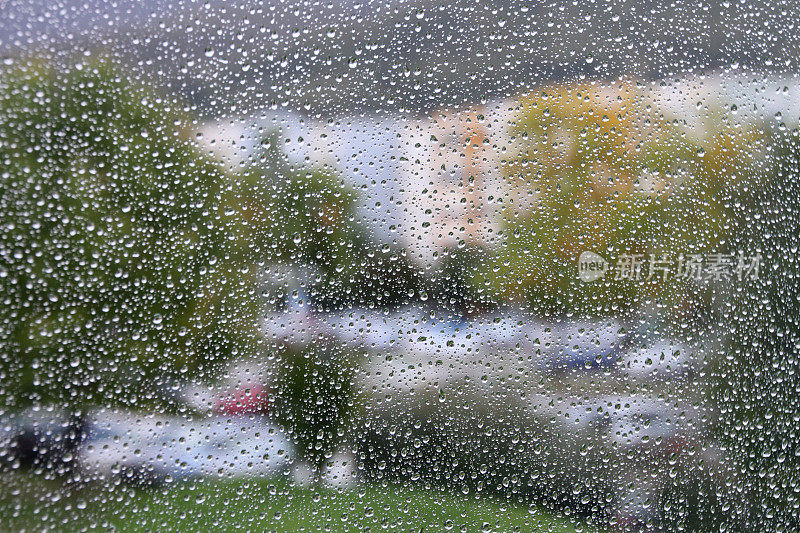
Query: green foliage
{"x": 757, "y": 384}
{"x": 599, "y": 169}
{"x": 119, "y": 259}
{"x": 299, "y": 217}
{"x": 452, "y": 285}
{"x": 314, "y": 396}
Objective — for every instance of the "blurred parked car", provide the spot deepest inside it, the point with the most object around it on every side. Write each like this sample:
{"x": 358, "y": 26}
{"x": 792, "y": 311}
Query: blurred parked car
{"x": 650, "y": 423}
{"x": 151, "y": 449}
{"x": 587, "y": 345}
{"x": 252, "y": 398}
{"x": 663, "y": 357}
{"x": 41, "y": 438}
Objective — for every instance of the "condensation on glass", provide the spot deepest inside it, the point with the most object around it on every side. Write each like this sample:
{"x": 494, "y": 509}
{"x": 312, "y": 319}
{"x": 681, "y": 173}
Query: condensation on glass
{"x": 498, "y": 266}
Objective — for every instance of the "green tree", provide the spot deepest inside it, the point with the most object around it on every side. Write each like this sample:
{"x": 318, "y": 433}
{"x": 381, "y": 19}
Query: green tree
{"x": 304, "y": 221}
{"x": 599, "y": 168}
{"x": 315, "y": 397}
{"x": 306, "y": 217}
{"x": 298, "y": 216}
{"x": 120, "y": 263}
{"x": 757, "y": 384}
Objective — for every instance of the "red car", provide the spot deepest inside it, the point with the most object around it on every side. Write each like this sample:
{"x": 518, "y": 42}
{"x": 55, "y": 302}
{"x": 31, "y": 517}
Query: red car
{"x": 250, "y": 399}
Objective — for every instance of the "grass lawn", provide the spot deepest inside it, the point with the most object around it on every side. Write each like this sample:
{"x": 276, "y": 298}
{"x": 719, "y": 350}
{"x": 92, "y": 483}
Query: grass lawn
{"x": 31, "y": 503}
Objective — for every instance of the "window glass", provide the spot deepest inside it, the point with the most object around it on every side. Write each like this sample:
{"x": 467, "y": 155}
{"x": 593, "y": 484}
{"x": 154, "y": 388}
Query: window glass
{"x": 407, "y": 265}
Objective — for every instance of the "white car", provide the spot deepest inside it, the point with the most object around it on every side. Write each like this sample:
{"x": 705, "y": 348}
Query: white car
{"x": 662, "y": 358}
{"x": 150, "y": 449}
{"x": 239, "y": 447}
{"x": 652, "y": 422}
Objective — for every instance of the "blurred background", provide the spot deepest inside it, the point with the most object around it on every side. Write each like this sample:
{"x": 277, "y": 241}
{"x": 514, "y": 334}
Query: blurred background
{"x": 353, "y": 266}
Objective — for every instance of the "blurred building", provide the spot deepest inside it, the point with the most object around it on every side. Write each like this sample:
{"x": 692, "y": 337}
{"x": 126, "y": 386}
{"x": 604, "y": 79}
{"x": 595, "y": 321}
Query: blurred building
{"x": 430, "y": 183}
{"x": 452, "y": 181}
